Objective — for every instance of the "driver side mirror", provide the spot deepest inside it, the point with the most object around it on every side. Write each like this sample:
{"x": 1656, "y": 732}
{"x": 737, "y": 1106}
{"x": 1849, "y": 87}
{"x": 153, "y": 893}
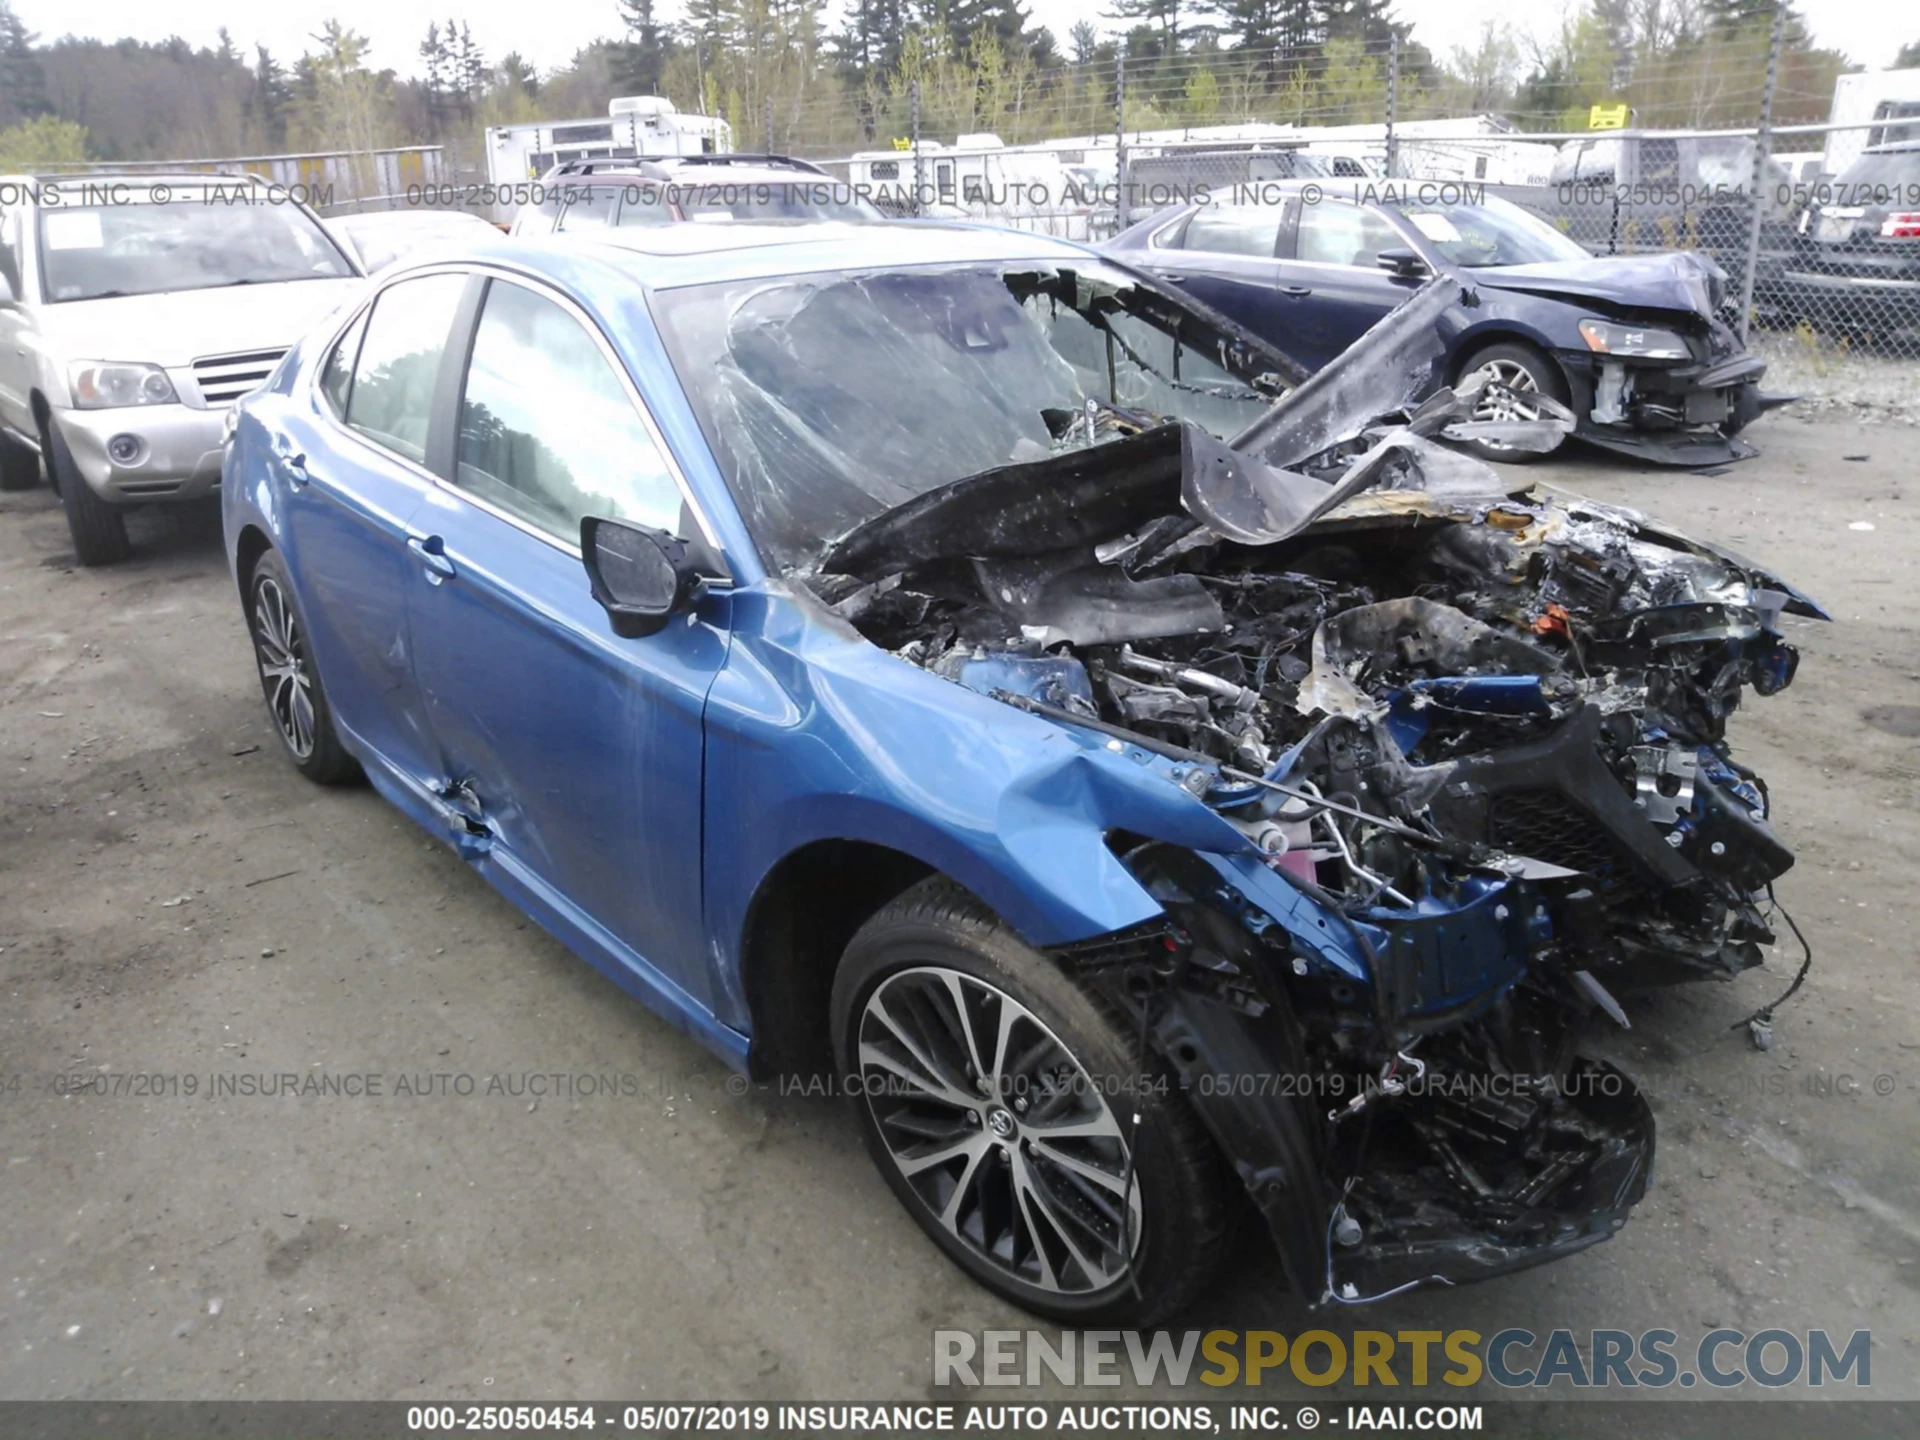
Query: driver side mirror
{"x": 642, "y": 578}
{"x": 1402, "y": 264}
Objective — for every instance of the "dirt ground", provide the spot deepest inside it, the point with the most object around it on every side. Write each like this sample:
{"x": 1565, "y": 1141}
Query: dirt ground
{"x": 177, "y": 904}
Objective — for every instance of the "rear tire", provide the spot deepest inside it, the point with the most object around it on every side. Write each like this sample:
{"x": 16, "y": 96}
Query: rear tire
{"x": 19, "y": 466}
{"x": 1027, "y": 1161}
{"x": 99, "y": 530}
{"x": 296, "y": 702}
{"x": 1524, "y": 370}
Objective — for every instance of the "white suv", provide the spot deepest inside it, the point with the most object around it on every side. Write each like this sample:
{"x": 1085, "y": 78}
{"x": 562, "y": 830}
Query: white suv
{"x": 134, "y": 310}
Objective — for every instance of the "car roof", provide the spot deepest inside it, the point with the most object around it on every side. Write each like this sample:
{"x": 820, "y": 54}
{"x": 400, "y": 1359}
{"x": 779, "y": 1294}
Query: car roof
{"x": 665, "y": 257}
{"x": 673, "y": 257}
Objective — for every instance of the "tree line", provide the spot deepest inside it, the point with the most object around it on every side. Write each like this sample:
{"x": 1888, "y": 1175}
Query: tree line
{"x": 789, "y": 75}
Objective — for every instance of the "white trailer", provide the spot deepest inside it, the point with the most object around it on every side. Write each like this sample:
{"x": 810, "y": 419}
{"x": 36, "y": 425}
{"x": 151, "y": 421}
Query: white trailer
{"x": 1868, "y": 97}
{"x": 635, "y": 126}
{"x": 1025, "y": 187}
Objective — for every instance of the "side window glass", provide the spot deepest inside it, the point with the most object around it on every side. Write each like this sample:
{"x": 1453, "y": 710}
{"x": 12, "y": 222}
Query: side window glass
{"x": 336, "y": 377}
{"x": 644, "y": 203}
{"x": 392, "y": 392}
{"x": 590, "y": 208}
{"x": 1334, "y": 233}
{"x": 547, "y": 431}
{"x": 1234, "y": 230}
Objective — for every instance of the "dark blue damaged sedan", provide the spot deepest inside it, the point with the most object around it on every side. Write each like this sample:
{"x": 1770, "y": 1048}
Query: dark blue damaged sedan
{"x": 1154, "y": 785}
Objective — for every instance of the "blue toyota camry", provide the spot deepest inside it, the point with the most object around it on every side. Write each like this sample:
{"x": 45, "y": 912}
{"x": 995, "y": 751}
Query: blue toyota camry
{"x": 952, "y": 661}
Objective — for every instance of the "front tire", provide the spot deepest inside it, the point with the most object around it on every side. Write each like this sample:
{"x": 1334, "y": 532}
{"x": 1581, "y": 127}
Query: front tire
{"x": 99, "y": 530}
{"x": 296, "y": 702}
{"x": 1524, "y": 371}
{"x": 997, "y": 1097}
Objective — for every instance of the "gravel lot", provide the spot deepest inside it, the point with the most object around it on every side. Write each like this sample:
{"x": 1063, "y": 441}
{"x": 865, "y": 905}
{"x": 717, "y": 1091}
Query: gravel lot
{"x": 175, "y": 902}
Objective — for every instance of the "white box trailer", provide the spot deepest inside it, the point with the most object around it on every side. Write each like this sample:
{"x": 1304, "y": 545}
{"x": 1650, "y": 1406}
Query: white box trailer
{"x": 1025, "y": 187}
{"x": 1861, "y": 100}
{"x": 634, "y": 127}
{"x": 1470, "y": 147}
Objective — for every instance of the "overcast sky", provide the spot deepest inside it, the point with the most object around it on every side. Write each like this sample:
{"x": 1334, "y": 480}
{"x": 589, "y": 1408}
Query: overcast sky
{"x": 548, "y": 32}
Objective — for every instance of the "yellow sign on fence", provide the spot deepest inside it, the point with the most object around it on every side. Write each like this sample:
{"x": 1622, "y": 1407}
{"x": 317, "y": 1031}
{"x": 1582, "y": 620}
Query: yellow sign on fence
{"x": 1607, "y": 117}
{"x": 902, "y": 142}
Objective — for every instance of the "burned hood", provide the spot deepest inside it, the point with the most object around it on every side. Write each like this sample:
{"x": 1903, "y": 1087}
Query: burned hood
{"x": 1684, "y": 281}
{"x": 1031, "y": 508}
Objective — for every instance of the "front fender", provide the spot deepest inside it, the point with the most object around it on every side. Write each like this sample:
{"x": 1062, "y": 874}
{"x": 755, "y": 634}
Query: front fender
{"x": 814, "y": 734}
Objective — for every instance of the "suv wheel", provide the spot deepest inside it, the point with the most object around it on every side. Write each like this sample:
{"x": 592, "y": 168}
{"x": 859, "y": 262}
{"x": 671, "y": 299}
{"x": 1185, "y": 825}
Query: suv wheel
{"x": 998, "y": 1099}
{"x": 99, "y": 530}
{"x": 288, "y": 678}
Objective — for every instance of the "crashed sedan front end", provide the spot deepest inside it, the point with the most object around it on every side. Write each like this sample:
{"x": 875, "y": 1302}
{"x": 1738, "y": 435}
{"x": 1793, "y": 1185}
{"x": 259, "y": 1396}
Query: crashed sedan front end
{"x": 1439, "y": 765}
{"x": 1655, "y": 370}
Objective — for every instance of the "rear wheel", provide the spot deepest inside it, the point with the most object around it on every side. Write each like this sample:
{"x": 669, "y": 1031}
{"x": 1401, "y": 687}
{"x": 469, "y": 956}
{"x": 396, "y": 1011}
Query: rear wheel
{"x": 998, "y": 1099}
{"x": 1523, "y": 374}
{"x": 99, "y": 530}
{"x": 288, "y": 679}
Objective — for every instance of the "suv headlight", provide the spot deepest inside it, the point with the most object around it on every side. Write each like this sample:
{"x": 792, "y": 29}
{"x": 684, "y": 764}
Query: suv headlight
{"x": 110, "y": 387}
{"x": 1635, "y": 342}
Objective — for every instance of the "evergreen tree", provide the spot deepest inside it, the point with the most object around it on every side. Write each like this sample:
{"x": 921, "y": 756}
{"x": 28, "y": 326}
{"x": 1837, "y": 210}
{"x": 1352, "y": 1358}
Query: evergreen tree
{"x": 641, "y": 57}
{"x": 469, "y": 69}
{"x": 266, "y": 106}
{"x": 1084, "y": 42}
{"x": 517, "y": 74}
{"x": 1160, "y": 17}
{"x": 436, "y": 86}
{"x": 23, "y": 86}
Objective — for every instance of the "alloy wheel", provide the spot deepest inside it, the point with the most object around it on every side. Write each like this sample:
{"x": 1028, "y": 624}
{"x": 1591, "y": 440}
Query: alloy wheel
{"x": 1510, "y": 403}
{"x": 281, "y": 651}
{"x": 998, "y": 1130}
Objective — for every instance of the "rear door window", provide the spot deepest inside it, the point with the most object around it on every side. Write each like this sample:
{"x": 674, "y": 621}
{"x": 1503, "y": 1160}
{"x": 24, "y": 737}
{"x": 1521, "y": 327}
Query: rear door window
{"x": 1235, "y": 230}
{"x": 391, "y": 401}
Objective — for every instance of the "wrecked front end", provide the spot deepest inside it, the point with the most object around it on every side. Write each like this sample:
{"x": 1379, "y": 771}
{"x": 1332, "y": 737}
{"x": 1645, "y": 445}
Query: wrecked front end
{"x": 1656, "y": 372}
{"x": 1477, "y": 744}
{"x": 1396, "y": 1091}
{"x": 1469, "y": 746}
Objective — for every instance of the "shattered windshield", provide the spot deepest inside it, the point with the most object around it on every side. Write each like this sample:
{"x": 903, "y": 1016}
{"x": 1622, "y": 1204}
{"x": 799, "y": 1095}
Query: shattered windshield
{"x": 829, "y": 399}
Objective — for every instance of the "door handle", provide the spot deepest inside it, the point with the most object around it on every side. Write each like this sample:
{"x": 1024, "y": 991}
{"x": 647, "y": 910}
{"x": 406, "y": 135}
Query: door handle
{"x": 1295, "y": 290}
{"x": 294, "y": 467}
{"x": 430, "y": 550}
{"x": 1176, "y": 279}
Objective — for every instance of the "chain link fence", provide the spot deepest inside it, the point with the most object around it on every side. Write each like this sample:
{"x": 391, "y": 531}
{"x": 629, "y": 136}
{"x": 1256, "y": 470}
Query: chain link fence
{"x": 1822, "y": 269}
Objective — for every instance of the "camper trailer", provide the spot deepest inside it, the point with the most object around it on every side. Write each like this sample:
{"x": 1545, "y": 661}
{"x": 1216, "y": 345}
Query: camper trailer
{"x": 634, "y": 126}
{"x": 1047, "y": 189}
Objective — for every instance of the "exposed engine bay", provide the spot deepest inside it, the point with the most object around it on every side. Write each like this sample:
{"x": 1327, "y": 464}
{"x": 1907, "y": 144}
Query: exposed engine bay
{"x": 1547, "y": 678}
